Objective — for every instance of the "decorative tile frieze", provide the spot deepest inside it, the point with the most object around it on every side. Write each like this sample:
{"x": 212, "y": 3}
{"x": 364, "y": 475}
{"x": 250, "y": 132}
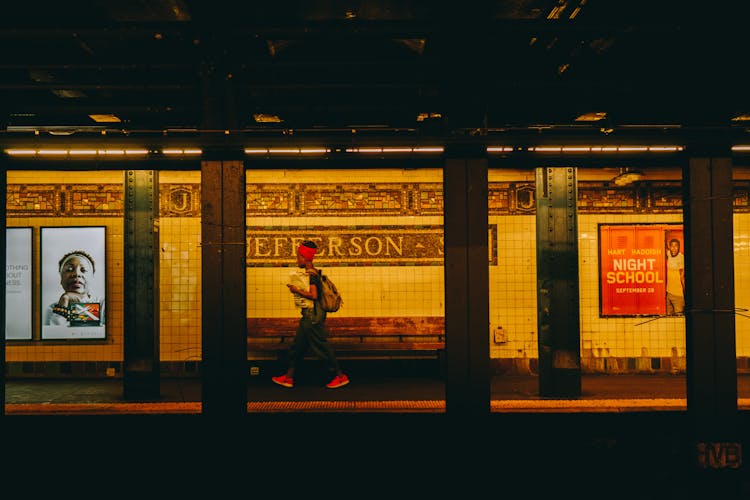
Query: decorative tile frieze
{"x": 353, "y": 199}
{"x": 179, "y": 200}
{"x": 347, "y": 245}
{"x": 598, "y": 198}
{"x": 270, "y": 200}
{"x": 506, "y": 198}
{"x": 430, "y": 199}
{"x": 354, "y": 246}
{"x": 65, "y": 200}
{"x": 32, "y": 201}
{"x": 741, "y": 196}
{"x": 666, "y": 197}
{"x": 99, "y": 200}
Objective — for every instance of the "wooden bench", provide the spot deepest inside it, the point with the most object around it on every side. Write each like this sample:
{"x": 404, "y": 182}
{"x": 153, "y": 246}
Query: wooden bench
{"x": 402, "y": 335}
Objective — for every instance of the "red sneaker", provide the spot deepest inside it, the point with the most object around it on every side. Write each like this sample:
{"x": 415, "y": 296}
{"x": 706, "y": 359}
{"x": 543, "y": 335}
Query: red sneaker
{"x": 283, "y": 381}
{"x": 338, "y": 381}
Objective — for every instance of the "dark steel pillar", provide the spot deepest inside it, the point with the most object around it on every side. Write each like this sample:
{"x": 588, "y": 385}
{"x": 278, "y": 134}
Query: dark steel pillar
{"x": 224, "y": 366}
{"x": 224, "y": 309}
{"x": 466, "y": 287}
{"x": 709, "y": 301}
{"x": 141, "y": 282}
{"x": 557, "y": 282}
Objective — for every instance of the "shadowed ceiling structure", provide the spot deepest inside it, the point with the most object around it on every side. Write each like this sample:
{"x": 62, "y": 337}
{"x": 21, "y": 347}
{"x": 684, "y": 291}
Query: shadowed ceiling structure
{"x": 386, "y": 67}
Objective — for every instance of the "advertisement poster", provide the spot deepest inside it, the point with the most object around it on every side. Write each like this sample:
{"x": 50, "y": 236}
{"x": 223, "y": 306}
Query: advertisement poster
{"x": 18, "y": 283}
{"x": 641, "y": 270}
{"x": 73, "y": 282}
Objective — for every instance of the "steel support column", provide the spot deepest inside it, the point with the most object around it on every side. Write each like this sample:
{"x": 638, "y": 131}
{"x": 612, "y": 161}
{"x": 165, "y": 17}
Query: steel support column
{"x": 224, "y": 328}
{"x": 466, "y": 287}
{"x": 557, "y": 282}
{"x": 709, "y": 301}
{"x": 141, "y": 285}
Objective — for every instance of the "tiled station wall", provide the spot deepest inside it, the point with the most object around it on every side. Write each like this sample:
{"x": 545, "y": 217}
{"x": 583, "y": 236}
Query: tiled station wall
{"x": 382, "y": 236}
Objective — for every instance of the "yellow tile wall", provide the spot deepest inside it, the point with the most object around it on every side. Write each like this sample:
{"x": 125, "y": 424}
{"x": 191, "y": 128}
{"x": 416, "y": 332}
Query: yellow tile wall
{"x": 110, "y": 349}
{"x": 513, "y": 288}
{"x": 180, "y": 279}
{"x": 180, "y": 289}
{"x": 368, "y": 291}
{"x": 627, "y": 336}
{"x": 741, "y": 223}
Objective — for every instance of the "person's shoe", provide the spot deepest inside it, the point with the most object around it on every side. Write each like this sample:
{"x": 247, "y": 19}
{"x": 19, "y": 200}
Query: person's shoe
{"x": 338, "y": 381}
{"x": 283, "y": 381}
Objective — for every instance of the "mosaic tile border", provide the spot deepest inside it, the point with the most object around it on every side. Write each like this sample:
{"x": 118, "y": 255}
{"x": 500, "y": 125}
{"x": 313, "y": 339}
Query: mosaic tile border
{"x": 65, "y": 200}
{"x": 353, "y": 199}
{"x": 275, "y": 246}
{"x": 347, "y": 245}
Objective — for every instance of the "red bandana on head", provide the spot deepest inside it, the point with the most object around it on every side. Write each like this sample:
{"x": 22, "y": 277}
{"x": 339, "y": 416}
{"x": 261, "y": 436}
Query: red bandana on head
{"x": 307, "y": 252}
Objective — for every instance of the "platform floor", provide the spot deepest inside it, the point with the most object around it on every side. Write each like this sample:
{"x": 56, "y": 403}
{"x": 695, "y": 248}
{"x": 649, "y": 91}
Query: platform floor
{"x": 626, "y": 437}
{"x": 369, "y": 393}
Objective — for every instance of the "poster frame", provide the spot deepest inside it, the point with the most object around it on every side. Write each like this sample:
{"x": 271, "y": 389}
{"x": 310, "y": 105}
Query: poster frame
{"x": 54, "y": 242}
{"x": 13, "y": 275}
{"x": 667, "y": 229}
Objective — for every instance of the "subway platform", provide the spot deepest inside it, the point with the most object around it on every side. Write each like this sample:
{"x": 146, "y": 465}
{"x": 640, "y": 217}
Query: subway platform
{"x": 366, "y": 394}
{"x": 626, "y": 436}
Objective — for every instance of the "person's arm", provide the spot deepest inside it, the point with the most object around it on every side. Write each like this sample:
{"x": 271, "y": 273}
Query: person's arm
{"x": 311, "y": 294}
{"x": 682, "y": 279}
{"x": 57, "y": 317}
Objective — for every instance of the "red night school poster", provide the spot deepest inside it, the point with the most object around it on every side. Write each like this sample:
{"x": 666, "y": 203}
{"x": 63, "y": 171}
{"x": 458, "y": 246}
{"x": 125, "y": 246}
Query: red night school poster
{"x": 633, "y": 274}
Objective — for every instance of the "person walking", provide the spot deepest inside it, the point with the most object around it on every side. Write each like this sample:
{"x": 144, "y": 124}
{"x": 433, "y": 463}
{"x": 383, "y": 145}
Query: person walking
{"x": 311, "y": 332}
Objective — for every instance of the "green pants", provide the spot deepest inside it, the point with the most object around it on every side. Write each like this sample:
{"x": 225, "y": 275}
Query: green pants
{"x": 312, "y": 334}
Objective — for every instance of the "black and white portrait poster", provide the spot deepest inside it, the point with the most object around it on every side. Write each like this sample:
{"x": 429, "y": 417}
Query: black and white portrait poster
{"x": 18, "y": 283}
{"x": 73, "y": 282}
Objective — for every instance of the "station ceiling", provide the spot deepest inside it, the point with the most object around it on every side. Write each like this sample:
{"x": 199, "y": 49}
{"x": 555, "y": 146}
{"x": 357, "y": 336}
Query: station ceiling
{"x": 382, "y": 66}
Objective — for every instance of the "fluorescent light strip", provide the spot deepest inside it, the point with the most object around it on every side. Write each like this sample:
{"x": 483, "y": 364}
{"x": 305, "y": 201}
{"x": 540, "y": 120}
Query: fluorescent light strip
{"x": 286, "y": 151}
{"x": 52, "y": 152}
{"x": 423, "y": 149}
{"x": 605, "y": 149}
{"x": 182, "y": 151}
{"x": 21, "y": 152}
{"x": 365, "y": 150}
{"x": 76, "y": 152}
{"x": 741, "y": 148}
{"x": 499, "y": 149}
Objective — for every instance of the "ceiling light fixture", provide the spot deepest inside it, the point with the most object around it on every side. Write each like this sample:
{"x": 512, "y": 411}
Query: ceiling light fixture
{"x": 594, "y": 116}
{"x": 105, "y": 118}
{"x": 428, "y": 116}
{"x": 287, "y": 151}
{"x": 266, "y": 118}
{"x": 606, "y": 149}
{"x": 186, "y": 151}
{"x": 406, "y": 149}
{"x": 627, "y": 177}
{"x": 76, "y": 152}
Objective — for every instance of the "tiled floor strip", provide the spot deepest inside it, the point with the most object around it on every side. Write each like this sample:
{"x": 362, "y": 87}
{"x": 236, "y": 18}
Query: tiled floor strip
{"x": 434, "y": 406}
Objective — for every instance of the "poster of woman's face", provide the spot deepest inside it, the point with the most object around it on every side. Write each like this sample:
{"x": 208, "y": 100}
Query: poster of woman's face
{"x": 73, "y": 282}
